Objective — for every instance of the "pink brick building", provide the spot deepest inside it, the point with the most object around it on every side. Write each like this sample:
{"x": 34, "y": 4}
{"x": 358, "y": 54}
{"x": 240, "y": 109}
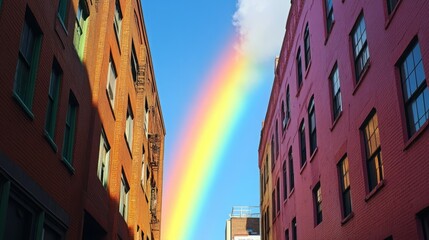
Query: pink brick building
{"x": 344, "y": 150}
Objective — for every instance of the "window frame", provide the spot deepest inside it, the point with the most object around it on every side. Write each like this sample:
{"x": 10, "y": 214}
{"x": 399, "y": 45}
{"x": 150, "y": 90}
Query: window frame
{"x": 317, "y": 200}
{"x": 117, "y": 20}
{"x": 345, "y": 192}
{"x": 124, "y": 196}
{"x": 70, "y": 130}
{"x": 134, "y": 63}
{"x": 364, "y": 49}
{"x": 329, "y": 15}
{"x": 129, "y": 126}
{"x": 299, "y": 69}
{"x": 312, "y": 130}
{"x": 291, "y": 171}
{"x": 307, "y": 48}
{"x": 294, "y": 229}
{"x": 372, "y": 157}
{"x": 285, "y": 180}
{"x": 302, "y": 144}
{"x": 421, "y": 89}
{"x": 62, "y": 11}
{"x": 53, "y": 100}
{"x": 81, "y": 26}
{"x": 391, "y": 7}
{"x": 337, "y": 104}
{"x": 24, "y": 86}
{"x": 111, "y": 90}
{"x": 103, "y": 163}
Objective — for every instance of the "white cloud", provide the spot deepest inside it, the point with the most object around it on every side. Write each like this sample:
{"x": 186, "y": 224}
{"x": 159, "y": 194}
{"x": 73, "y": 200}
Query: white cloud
{"x": 261, "y": 26}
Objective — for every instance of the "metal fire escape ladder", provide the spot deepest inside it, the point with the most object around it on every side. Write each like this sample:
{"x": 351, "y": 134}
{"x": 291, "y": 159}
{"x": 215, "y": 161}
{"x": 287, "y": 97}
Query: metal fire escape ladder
{"x": 141, "y": 78}
{"x": 154, "y": 144}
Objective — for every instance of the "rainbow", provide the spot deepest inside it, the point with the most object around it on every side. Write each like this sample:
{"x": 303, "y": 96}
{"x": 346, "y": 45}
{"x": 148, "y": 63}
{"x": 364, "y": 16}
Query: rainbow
{"x": 198, "y": 152}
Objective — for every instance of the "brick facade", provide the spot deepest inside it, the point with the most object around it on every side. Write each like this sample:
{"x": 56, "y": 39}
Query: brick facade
{"x": 393, "y": 206}
{"x": 68, "y": 196}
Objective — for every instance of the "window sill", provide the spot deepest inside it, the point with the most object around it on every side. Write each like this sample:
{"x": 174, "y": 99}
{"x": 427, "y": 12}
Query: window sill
{"x": 291, "y": 192}
{"x": 302, "y": 168}
{"x": 347, "y": 219}
{"x": 374, "y": 191}
{"x": 307, "y": 69}
{"x": 285, "y": 127}
{"x": 50, "y": 141}
{"x": 111, "y": 105}
{"x": 62, "y": 24}
{"x": 391, "y": 15}
{"x": 336, "y": 120}
{"x": 285, "y": 201}
{"x": 329, "y": 33}
{"x": 362, "y": 76}
{"x": 416, "y": 136}
{"x": 128, "y": 146}
{"x": 23, "y": 105}
{"x": 299, "y": 89}
{"x": 69, "y": 167}
{"x": 313, "y": 154}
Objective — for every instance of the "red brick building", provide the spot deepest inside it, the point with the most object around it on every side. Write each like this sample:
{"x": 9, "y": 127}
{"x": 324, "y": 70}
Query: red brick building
{"x": 82, "y": 132}
{"x": 344, "y": 146}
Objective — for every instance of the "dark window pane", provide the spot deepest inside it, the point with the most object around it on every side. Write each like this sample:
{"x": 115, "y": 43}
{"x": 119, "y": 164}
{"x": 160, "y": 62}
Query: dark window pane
{"x": 19, "y": 224}
{"x": 391, "y": 4}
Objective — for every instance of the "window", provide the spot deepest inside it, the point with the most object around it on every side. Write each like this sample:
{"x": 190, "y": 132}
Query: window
{"x": 360, "y": 47}
{"x": 391, "y": 4}
{"x": 302, "y": 143}
{"x": 278, "y": 195}
{"x": 20, "y": 220}
{"x": 53, "y": 97}
{"x": 373, "y": 151}
{"x": 266, "y": 172}
{"x": 103, "y": 159}
{"x": 284, "y": 181}
{"x": 287, "y": 104}
{"x": 312, "y": 126}
{"x": 62, "y": 10}
{"x": 415, "y": 90}
{"x": 134, "y": 64}
{"x": 343, "y": 169}
{"x": 146, "y": 118}
{"x": 70, "y": 129}
{"x": 123, "y": 197}
{"x": 28, "y": 60}
{"x": 336, "y": 92}
{"x": 272, "y": 152}
{"x": 317, "y": 196}
{"x": 277, "y": 138}
{"x": 329, "y": 15}
{"x": 287, "y": 234}
{"x": 294, "y": 230}
{"x": 117, "y": 21}
{"x": 283, "y": 116}
{"x": 299, "y": 68}
{"x": 111, "y": 82}
{"x": 273, "y": 202}
{"x": 291, "y": 176}
{"x": 24, "y": 218}
{"x": 307, "y": 54}
{"x": 129, "y": 126}
{"x": 81, "y": 24}
{"x": 424, "y": 221}
{"x": 143, "y": 171}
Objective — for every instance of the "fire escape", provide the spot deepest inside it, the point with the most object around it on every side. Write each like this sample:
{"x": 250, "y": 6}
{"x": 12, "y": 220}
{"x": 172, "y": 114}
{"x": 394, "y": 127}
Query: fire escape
{"x": 154, "y": 146}
{"x": 141, "y": 78}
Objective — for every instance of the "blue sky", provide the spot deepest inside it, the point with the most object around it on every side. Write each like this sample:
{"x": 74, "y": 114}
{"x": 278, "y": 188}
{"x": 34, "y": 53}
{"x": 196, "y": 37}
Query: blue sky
{"x": 185, "y": 39}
